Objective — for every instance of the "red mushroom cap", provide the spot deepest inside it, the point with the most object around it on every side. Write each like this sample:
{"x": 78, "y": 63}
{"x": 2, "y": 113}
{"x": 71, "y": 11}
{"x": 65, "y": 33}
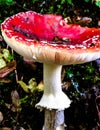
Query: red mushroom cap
{"x": 48, "y": 38}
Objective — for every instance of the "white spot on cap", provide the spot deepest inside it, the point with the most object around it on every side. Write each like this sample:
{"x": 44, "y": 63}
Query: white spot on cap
{"x": 71, "y": 46}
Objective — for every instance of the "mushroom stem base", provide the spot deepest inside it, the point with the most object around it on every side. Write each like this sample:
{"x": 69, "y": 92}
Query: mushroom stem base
{"x": 50, "y": 118}
{"x": 54, "y": 120}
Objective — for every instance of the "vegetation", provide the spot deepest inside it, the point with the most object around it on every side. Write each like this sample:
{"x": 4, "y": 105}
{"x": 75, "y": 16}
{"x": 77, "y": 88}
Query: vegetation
{"x": 21, "y": 83}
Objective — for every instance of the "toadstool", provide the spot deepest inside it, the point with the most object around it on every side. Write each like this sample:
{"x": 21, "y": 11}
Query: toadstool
{"x": 48, "y": 39}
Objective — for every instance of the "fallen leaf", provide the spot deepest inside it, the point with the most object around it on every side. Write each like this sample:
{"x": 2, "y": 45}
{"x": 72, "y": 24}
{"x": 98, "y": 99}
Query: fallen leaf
{"x": 5, "y": 128}
{"x": 15, "y": 101}
{"x": 8, "y": 69}
{"x": 5, "y": 80}
{"x": 1, "y": 116}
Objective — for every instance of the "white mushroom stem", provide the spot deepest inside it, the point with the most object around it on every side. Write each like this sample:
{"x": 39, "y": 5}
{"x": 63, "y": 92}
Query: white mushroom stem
{"x": 53, "y": 97}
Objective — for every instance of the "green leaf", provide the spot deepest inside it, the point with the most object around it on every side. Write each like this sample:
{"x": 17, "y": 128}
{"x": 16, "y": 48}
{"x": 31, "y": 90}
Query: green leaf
{"x": 90, "y": 69}
{"x": 9, "y": 2}
{"x": 63, "y": 1}
{"x": 69, "y": 2}
{"x": 6, "y": 2}
{"x": 86, "y": 0}
{"x": 2, "y": 63}
{"x": 23, "y": 100}
{"x": 98, "y": 3}
{"x": 24, "y": 86}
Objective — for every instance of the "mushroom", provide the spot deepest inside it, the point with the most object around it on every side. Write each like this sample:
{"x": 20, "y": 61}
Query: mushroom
{"x": 48, "y": 39}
